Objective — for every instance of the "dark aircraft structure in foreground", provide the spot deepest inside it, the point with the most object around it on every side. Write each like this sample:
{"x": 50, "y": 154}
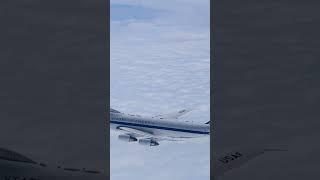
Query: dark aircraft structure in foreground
{"x": 14, "y": 166}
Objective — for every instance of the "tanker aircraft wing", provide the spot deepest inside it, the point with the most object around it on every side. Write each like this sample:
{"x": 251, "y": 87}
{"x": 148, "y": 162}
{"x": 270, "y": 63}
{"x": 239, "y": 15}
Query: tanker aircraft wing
{"x": 228, "y": 161}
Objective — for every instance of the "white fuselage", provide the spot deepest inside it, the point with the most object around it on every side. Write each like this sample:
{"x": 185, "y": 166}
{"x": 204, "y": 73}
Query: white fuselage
{"x": 159, "y": 127}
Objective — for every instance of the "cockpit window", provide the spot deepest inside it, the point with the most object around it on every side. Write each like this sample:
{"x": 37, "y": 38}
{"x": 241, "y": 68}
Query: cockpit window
{"x": 114, "y": 111}
{"x": 13, "y": 156}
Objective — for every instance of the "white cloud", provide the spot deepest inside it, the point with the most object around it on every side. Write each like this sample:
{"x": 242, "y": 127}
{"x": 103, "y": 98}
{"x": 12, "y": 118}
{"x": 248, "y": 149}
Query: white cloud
{"x": 179, "y": 13}
{"x": 161, "y": 65}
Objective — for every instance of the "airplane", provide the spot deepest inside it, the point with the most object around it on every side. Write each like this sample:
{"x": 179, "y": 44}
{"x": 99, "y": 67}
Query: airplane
{"x": 150, "y": 130}
{"x": 14, "y": 166}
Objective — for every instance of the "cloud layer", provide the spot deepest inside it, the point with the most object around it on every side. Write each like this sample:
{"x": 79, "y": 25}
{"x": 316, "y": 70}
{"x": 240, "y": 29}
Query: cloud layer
{"x": 160, "y": 64}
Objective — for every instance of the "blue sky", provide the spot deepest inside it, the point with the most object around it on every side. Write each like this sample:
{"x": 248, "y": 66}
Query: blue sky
{"x": 160, "y": 63}
{"x": 122, "y": 12}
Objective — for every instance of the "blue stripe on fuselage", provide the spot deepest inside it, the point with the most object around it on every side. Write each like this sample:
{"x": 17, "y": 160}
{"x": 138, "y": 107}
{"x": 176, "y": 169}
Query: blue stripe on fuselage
{"x": 159, "y": 127}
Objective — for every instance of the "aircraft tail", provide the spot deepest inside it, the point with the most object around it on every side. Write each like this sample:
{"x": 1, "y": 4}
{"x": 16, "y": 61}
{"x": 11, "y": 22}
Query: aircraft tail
{"x": 114, "y": 111}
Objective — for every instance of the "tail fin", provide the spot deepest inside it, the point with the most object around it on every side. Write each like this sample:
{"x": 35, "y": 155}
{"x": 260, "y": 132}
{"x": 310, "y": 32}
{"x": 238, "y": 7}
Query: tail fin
{"x": 114, "y": 111}
{"x": 207, "y": 122}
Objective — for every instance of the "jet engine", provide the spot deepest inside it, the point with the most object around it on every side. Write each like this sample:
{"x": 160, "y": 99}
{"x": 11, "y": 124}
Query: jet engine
{"x": 127, "y": 138}
{"x": 148, "y": 142}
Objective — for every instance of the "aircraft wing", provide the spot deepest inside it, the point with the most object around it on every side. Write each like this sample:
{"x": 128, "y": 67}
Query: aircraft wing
{"x": 174, "y": 115}
{"x": 135, "y": 132}
{"x": 235, "y": 159}
{"x": 164, "y": 139}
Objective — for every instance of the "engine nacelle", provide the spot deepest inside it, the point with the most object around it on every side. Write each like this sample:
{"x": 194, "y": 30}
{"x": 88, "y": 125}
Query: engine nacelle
{"x": 127, "y": 138}
{"x": 148, "y": 142}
